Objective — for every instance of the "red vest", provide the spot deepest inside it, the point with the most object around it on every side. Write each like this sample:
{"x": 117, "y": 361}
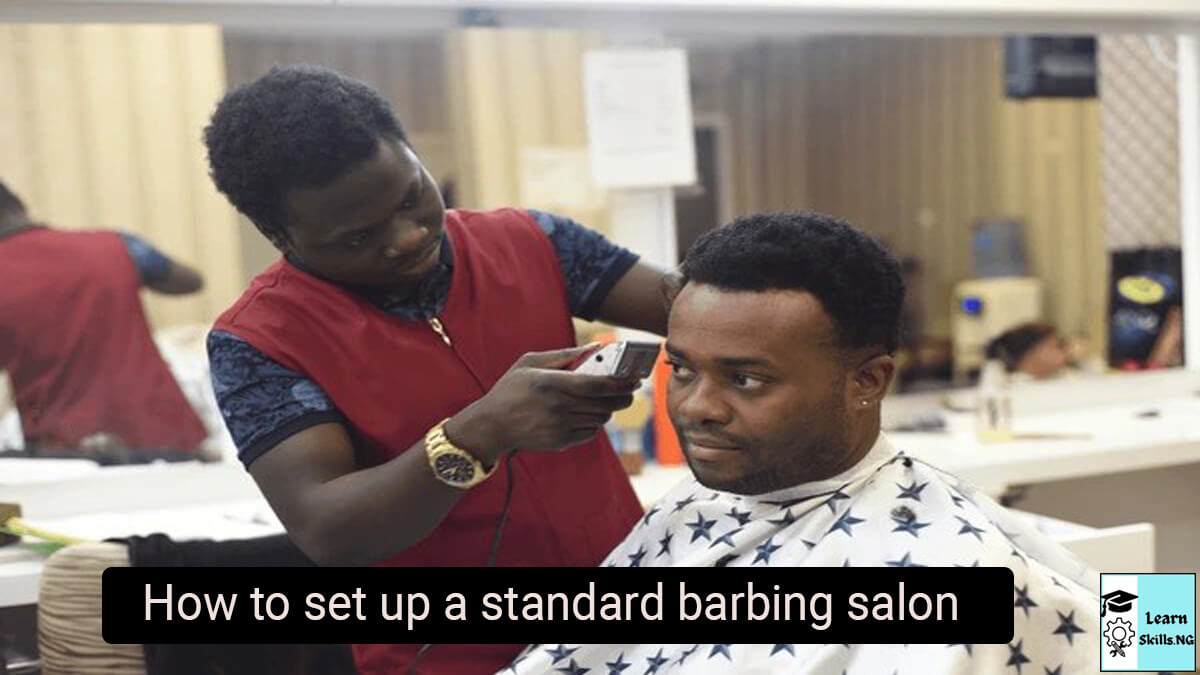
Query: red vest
{"x": 76, "y": 345}
{"x": 394, "y": 379}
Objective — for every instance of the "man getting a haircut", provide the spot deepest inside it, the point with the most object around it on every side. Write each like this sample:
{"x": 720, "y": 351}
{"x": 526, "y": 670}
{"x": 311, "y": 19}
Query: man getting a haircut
{"x": 781, "y": 340}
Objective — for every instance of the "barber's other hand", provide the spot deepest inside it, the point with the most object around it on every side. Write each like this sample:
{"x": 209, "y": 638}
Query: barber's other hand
{"x": 537, "y": 405}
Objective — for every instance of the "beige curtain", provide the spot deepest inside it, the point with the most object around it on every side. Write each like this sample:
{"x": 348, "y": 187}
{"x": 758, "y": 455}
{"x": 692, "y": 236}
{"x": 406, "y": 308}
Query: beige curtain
{"x": 100, "y": 127}
{"x": 513, "y": 90}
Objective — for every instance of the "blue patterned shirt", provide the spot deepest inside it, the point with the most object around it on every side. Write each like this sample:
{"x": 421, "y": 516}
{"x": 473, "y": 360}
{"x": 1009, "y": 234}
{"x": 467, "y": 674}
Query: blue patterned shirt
{"x": 264, "y": 403}
{"x": 152, "y": 265}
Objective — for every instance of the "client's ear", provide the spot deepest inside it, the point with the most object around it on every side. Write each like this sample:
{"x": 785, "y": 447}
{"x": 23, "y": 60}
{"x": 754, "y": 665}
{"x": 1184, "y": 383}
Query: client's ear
{"x": 871, "y": 381}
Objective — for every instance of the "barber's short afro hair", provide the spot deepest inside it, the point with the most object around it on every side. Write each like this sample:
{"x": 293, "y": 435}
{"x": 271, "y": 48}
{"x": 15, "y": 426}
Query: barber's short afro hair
{"x": 858, "y": 283}
{"x": 297, "y": 126}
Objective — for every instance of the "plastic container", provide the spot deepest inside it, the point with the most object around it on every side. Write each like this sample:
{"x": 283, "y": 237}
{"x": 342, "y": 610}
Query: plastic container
{"x": 993, "y": 404}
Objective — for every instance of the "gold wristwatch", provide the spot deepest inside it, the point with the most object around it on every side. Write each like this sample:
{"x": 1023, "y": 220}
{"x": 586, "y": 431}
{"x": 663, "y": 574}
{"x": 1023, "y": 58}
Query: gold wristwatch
{"x": 451, "y": 464}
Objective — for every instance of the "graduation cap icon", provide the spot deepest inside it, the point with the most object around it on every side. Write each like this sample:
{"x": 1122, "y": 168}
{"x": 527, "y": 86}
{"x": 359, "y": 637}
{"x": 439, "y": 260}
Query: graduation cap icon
{"x": 1117, "y": 601}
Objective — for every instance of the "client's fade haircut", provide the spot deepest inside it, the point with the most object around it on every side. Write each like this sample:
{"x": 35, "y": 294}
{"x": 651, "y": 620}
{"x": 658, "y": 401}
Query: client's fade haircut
{"x": 295, "y": 127}
{"x": 858, "y": 283}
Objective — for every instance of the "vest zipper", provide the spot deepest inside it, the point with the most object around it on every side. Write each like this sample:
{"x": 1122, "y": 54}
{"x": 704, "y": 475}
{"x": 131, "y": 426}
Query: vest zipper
{"x": 438, "y": 328}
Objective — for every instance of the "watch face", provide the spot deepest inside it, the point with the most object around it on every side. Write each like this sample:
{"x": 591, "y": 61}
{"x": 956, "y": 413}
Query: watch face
{"x": 454, "y": 468}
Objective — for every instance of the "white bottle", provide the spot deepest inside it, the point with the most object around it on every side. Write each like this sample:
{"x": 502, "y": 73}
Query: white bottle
{"x": 993, "y": 404}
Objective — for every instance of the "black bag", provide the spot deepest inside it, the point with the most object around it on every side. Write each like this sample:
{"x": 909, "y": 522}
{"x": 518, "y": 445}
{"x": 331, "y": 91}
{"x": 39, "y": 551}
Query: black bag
{"x": 158, "y": 550}
{"x": 1145, "y": 284}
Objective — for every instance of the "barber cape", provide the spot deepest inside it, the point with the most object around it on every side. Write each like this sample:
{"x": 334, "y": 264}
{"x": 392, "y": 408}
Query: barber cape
{"x": 889, "y": 510}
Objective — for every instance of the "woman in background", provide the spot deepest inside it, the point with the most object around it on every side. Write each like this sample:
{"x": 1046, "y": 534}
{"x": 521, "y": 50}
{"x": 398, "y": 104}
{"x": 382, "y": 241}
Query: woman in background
{"x": 1037, "y": 350}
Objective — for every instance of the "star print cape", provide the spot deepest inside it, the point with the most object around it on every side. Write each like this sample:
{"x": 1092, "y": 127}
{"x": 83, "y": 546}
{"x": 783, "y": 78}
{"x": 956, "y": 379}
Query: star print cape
{"x": 889, "y": 510}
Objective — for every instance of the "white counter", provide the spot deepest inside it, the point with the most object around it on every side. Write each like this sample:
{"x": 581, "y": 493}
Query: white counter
{"x": 78, "y": 498}
{"x": 1112, "y": 439}
{"x": 20, "y": 569}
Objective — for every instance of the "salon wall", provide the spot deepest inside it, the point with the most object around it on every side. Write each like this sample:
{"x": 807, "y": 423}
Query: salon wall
{"x": 512, "y": 92}
{"x": 909, "y": 138}
{"x": 912, "y": 139}
{"x": 1140, "y": 124}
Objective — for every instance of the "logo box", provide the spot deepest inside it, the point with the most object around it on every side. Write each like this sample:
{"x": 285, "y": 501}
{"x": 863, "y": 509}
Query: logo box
{"x": 1148, "y": 622}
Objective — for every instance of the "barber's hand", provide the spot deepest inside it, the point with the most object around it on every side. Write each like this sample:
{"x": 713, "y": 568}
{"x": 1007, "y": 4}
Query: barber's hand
{"x": 539, "y": 406}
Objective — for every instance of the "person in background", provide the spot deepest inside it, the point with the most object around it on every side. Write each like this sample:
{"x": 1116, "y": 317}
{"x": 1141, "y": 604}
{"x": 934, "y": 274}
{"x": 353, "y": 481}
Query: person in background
{"x": 84, "y": 369}
{"x": 376, "y": 377}
{"x": 781, "y": 341}
{"x": 1036, "y": 350}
